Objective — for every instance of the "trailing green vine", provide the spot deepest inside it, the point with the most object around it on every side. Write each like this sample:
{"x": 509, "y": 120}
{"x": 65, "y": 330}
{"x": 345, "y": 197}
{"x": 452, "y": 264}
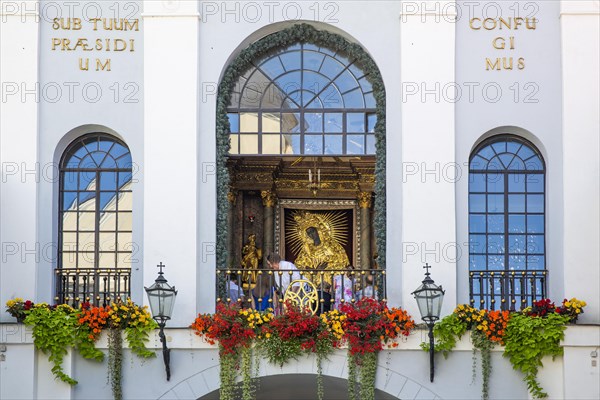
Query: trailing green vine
{"x": 447, "y": 332}
{"x": 54, "y": 332}
{"x": 56, "y": 329}
{"x": 115, "y": 362}
{"x": 528, "y": 340}
{"x": 247, "y": 382}
{"x": 352, "y": 375}
{"x": 227, "y": 374}
{"x": 306, "y": 34}
{"x": 484, "y": 345}
{"x": 528, "y": 336}
{"x": 368, "y": 371}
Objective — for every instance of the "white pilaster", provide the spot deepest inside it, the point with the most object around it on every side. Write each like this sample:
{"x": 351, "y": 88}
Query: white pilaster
{"x": 581, "y": 124}
{"x": 18, "y": 149}
{"x": 170, "y": 120}
{"x": 428, "y": 137}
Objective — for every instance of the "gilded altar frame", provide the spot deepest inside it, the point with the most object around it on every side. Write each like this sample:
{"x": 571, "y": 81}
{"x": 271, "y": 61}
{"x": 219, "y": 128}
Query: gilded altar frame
{"x": 317, "y": 204}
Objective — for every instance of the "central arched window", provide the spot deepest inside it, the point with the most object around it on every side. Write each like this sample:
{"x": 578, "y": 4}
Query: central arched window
{"x": 303, "y": 99}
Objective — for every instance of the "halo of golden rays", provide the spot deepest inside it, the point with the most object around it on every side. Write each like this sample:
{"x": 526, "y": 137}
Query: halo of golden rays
{"x": 334, "y": 224}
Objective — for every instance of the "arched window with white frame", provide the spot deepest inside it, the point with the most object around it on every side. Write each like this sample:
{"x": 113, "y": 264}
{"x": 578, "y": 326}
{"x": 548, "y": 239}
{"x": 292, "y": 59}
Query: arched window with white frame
{"x": 95, "y": 221}
{"x": 507, "y": 227}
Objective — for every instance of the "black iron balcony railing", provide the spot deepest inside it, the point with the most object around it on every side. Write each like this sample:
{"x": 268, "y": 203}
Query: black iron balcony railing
{"x": 506, "y": 290}
{"x": 97, "y": 286}
{"x": 333, "y": 287}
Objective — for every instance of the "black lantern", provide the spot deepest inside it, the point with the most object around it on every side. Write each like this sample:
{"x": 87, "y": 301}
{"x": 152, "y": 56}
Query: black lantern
{"x": 162, "y": 299}
{"x": 429, "y": 298}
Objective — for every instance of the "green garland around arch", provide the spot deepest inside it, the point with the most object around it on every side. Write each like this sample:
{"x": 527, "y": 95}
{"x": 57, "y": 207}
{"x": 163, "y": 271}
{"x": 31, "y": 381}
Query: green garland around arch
{"x": 308, "y": 34}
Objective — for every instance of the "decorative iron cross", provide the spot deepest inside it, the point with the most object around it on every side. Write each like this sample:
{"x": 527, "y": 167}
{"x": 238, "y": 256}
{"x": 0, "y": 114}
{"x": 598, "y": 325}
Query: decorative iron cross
{"x": 427, "y": 266}
{"x": 161, "y": 266}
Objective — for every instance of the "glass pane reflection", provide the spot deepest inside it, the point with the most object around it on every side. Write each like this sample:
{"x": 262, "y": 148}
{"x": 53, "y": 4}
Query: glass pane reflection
{"x": 96, "y": 202}
{"x": 306, "y": 78}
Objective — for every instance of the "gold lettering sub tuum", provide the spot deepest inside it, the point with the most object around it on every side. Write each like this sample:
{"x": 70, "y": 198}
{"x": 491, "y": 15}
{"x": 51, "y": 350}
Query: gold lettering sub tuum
{"x": 107, "y": 24}
{"x": 116, "y": 24}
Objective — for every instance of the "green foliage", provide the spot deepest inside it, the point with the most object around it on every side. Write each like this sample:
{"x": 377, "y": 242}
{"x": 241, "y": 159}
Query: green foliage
{"x": 528, "y": 340}
{"x": 352, "y": 375}
{"x": 137, "y": 336}
{"x": 228, "y": 373}
{"x": 320, "y": 389}
{"x": 368, "y": 370}
{"x": 365, "y": 365}
{"x": 54, "y": 332}
{"x": 484, "y": 345}
{"x": 86, "y": 346}
{"x": 279, "y": 351}
{"x": 248, "y": 387}
{"x": 115, "y": 362}
{"x": 447, "y": 332}
{"x": 306, "y": 34}
{"x": 59, "y": 328}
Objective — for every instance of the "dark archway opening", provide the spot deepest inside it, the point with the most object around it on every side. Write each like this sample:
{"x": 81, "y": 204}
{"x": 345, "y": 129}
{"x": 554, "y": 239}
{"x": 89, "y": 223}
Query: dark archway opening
{"x": 300, "y": 387}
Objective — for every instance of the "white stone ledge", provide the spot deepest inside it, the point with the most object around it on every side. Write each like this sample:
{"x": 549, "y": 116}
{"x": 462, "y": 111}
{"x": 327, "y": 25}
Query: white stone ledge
{"x": 167, "y": 15}
{"x": 582, "y": 336}
{"x": 579, "y": 7}
{"x": 186, "y": 339}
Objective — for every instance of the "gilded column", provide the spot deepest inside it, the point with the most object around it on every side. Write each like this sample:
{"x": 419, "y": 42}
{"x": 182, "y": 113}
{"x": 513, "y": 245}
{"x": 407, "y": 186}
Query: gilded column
{"x": 231, "y": 197}
{"x": 364, "y": 202}
{"x": 269, "y": 201}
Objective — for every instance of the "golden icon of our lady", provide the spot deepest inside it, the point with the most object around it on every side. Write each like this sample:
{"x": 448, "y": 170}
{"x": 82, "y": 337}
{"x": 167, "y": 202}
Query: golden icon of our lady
{"x": 317, "y": 240}
{"x": 251, "y": 256}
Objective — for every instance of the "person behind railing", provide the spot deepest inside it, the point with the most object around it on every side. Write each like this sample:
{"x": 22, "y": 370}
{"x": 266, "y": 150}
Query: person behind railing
{"x": 233, "y": 289}
{"x": 282, "y": 281}
{"x": 343, "y": 287}
{"x": 369, "y": 290}
{"x": 324, "y": 293}
{"x": 262, "y": 292}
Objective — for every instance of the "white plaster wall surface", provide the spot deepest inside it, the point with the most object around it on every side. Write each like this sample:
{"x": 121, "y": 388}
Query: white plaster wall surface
{"x": 171, "y": 112}
{"x": 75, "y": 101}
{"x": 403, "y": 372}
{"x": 524, "y": 102}
{"x": 580, "y": 23}
{"x": 581, "y": 362}
{"x": 19, "y": 70}
{"x": 427, "y": 127}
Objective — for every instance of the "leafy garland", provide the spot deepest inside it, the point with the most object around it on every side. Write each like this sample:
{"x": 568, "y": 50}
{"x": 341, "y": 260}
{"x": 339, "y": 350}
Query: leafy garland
{"x": 528, "y": 336}
{"x": 285, "y": 337}
{"x": 60, "y": 327}
{"x": 294, "y": 34}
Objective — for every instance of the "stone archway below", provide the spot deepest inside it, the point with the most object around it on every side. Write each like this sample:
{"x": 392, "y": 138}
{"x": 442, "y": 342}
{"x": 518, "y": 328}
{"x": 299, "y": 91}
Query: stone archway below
{"x": 300, "y": 387}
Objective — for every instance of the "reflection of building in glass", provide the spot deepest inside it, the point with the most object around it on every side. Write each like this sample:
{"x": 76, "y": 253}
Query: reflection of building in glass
{"x": 96, "y": 192}
{"x": 303, "y": 100}
{"x": 114, "y": 238}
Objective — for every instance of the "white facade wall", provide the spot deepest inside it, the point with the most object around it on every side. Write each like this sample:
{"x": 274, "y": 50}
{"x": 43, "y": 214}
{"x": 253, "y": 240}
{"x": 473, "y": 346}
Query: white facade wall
{"x": 161, "y": 100}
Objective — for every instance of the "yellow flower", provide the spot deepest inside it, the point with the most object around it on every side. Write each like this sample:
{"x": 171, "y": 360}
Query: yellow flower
{"x": 267, "y": 335}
